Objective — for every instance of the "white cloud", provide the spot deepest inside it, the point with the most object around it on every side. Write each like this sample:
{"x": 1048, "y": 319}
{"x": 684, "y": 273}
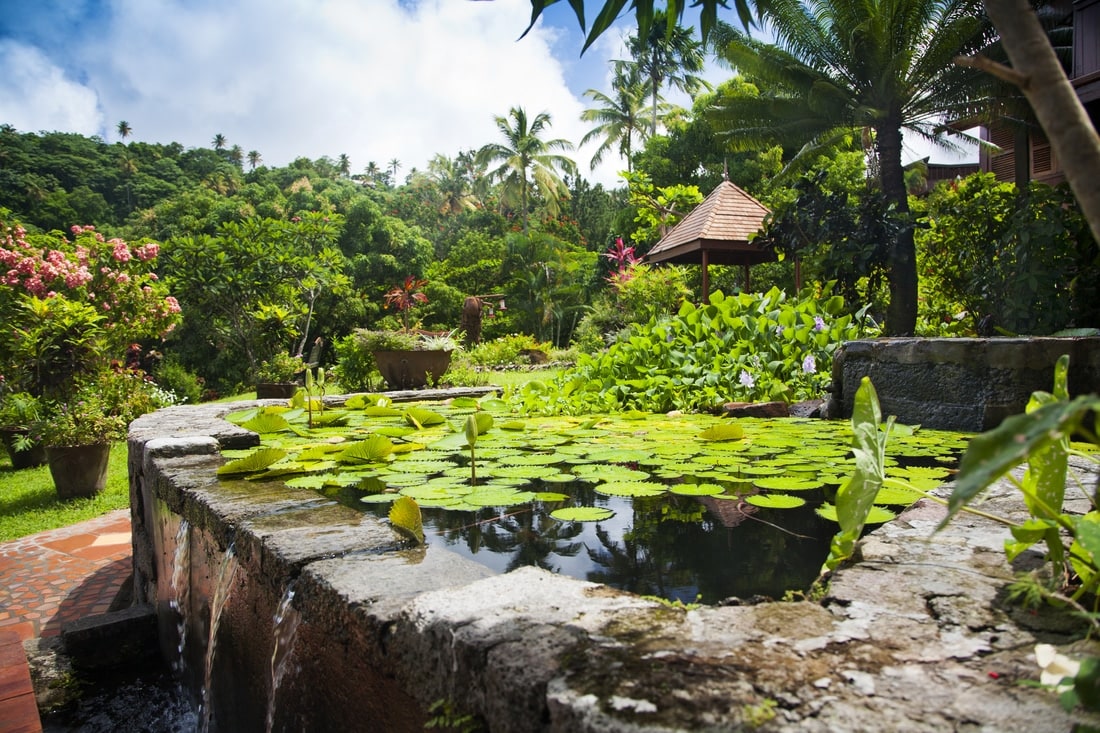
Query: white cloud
{"x": 373, "y": 79}
{"x": 36, "y": 95}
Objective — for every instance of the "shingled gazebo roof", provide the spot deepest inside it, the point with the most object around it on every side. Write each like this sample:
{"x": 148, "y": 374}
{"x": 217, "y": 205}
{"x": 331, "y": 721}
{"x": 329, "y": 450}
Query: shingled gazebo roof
{"x": 716, "y": 231}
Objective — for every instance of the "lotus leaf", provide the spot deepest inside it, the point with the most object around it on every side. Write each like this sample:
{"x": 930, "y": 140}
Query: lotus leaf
{"x": 707, "y": 489}
{"x": 896, "y": 495}
{"x": 631, "y": 488}
{"x": 786, "y": 483}
{"x": 552, "y": 496}
{"x": 379, "y": 498}
{"x": 374, "y": 449}
{"x": 421, "y": 417}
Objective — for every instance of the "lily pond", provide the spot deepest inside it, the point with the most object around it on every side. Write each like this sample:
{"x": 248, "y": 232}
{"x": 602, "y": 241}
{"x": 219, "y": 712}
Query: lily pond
{"x": 690, "y": 508}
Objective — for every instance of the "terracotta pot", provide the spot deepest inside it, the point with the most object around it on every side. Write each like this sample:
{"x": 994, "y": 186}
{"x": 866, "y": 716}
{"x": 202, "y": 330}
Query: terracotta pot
{"x": 275, "y": 390}
{"x": 411, "y": 369}
{"x": 80, "y": 470}
{"x": 35, "y": 456}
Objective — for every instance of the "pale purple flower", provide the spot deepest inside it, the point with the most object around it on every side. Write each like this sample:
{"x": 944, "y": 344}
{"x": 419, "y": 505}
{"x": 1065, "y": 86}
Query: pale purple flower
{"x": 746, "y": 380}
{"x": 809, "y": 365}
{"x": 819, "y": 323}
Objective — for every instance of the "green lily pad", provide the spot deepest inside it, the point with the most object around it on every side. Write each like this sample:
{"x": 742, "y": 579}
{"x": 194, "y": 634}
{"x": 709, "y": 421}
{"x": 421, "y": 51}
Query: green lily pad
{"x": 724, "y": 431}
{"x": 582, "y": 514}
{"x": 379, "y": 498}
{"x": 551, "y": 496}
{"x": 775, "y": 501}
{"x": 258, "y": 460}
{"x": 707, "y": 489}
{"x": 787, "y": 483}
{"x": 877, "y": 515}
{"x": 631, "y": 488}
{"x": 373, "y": 449}
{"x": 897, "y": 496}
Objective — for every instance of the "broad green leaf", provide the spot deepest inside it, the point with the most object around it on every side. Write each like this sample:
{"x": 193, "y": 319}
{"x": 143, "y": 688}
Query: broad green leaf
{"x": 373, "y": 449}
{"x": 256, "y": 461}
{"x": 405, "y": 517}
{"x": 421, "y": 417}
{"x": 775, "y": 501}
{"x": 582, "y": 514}
{"x": 266, "y": 423}
{"x": 706, "y": 489}
{"x": 724, "y": 431}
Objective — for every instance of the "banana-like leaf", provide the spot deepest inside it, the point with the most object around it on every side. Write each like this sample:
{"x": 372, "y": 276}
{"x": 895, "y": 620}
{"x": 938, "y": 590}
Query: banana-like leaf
{"x": 256, "y": 461}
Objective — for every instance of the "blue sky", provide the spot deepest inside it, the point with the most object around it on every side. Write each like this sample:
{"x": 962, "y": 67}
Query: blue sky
{"x": 373, "y": 79}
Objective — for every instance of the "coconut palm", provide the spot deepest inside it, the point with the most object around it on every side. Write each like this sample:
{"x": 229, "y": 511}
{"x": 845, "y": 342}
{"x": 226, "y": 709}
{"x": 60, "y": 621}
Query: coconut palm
{"x": 236, "y": 155}
{"x": 394, "y": 165}
{"x": 620, "y": 118}
{"x": 218, "y": 142}
{"x": 254, "y": 159}
{"x": 449, "y": 176}
{"x": 525, "y": 161}
{"x": 124, "y": 130}
{"x": 843, "y": 66}
{"x": 343, "y": 164}
{"x": 667, "y": 56}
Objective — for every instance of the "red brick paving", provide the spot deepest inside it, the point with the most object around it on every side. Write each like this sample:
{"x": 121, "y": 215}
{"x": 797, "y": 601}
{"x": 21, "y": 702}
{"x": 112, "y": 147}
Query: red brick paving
{"x": 47, "y": 580}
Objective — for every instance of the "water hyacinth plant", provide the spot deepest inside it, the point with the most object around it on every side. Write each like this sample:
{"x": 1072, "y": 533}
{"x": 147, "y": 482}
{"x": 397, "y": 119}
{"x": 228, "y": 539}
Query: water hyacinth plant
{"x": 746, "y": 347}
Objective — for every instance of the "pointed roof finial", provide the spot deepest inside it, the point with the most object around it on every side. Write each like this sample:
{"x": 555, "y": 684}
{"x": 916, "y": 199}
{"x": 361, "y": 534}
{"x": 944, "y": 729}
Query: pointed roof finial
{"x": 725, "y": 169}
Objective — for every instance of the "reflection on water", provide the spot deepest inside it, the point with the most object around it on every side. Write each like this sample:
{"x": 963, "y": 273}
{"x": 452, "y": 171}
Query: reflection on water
{"x": 676, "y": 547}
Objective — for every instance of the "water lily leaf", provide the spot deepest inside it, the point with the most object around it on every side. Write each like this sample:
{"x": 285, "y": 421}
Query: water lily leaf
{"x": 315, "y": 481}
{"x": 265, "y": 423}
{"x": 379, "y": 498}
{"x": 405, "y": 518}
{"x": 775, "y": 501}
{"x": 897, "y": 496}
{"x": 618, "y": 455}
{"x": 787, "y": 483}
{"x": 421, "y": 417}
{"x": 492, "y": 403}
{"x": 484, "y": 422}
{"x": 517, "y": 425}
{"x": 319, "y": 452}
{"x": 706, "y": 489}
{"x": 242, "y": 416}
{"x": 724, "y": 431}
{"x": 557, "y": 478}
{"x": 551, "y": 496}
{"x": 374, "y": 448}
{"x": 464, "y": 403}
{"x": 631, "y": 488}
{"x": 532, "y": 459}
{"x": 425, "y": 492}
{"x": 330, "y": 419}
{"x": 380, "y": 411}
{"x": 877, "y": 515}
{"x": 498, "y": 497}
{"x": 582, "y": 514}
{"x": 258, "y": 460}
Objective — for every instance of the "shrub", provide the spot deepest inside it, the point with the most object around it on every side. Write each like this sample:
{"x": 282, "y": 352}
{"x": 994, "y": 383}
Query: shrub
{"x": 746, "y": 347}
{"x": 505, "y": 350}
{"x": 174, "y": 377}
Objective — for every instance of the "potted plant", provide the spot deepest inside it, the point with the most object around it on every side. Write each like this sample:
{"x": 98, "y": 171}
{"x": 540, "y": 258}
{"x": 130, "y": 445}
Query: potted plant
{"x": 409, "y": 359}
{"x": 276, "y": 377}
{"x": 78, "y": 430}
{"x": 20, "y": 416}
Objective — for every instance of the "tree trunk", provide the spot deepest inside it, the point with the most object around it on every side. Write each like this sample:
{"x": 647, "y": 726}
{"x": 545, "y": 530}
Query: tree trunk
{"x": 1051, "y": 96}
{"x": 901, "y": 314}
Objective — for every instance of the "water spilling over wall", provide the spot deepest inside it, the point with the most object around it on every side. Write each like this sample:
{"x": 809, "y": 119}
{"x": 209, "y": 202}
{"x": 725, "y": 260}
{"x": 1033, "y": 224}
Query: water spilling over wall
{"x": 384, "y": 632}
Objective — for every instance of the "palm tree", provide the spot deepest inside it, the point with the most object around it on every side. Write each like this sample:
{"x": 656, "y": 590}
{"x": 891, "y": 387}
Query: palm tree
{"x": 124, "y": 130}
{"x": 236, "y": 155}
{"x": 254, "y": 159}
{"x": 453, "y": 185}
{"x": 667, "y": 56}
{"x": 838, "y": 67}
{"x": 218, "y": 142}
{"x": 620, "y": 117}
{"x": 394, "y": 165}
{"x": 525, "y": 160}
{"x": 344, "y": 164}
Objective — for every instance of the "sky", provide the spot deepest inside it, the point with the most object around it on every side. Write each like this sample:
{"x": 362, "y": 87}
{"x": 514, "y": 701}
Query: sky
{"x": 376, "y": 80}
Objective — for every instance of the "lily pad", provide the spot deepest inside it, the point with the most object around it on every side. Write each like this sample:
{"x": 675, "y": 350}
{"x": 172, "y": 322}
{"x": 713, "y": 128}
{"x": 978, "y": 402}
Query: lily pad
{"x": 775, "y": 501}
{"x": 631, "y": 488}
{"x": 877, "y": 515}
{"x": 582, "y": 514}
{"x": 707, "y": 489}
{"x": 256, "y": 461}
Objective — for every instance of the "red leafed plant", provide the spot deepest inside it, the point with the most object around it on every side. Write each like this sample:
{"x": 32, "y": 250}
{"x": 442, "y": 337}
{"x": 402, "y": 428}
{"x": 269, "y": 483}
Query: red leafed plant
{"x": 405, "y": 297}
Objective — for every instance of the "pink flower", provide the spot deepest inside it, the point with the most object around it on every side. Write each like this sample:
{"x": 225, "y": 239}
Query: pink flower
{"x": 121, "y": 252}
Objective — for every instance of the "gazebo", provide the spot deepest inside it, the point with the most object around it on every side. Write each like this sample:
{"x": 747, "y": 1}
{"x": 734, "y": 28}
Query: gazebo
{"x": 716, "y": 232}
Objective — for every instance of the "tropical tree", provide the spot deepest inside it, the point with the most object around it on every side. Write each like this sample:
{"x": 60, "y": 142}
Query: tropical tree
{"x": 124, "y": 130}
{"x": 843, "y": 66}
{"x": 236, "y": 155}
{"x": 525, "y": 161}
{"x": 619, "y": 118}
{"x": 218, "y": 142}
{"x": 449, "y": 176}
{"x": 254, "y": 159}
{"x": 667, "y": 55}
{"x": 394, "y": 166}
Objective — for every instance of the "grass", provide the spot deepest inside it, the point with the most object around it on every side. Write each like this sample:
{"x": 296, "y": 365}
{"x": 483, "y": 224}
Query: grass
{"x": 29, "y": 502}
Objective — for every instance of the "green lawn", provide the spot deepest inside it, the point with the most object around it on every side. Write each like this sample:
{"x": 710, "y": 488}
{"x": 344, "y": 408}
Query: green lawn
{"x": 29, "y": 503}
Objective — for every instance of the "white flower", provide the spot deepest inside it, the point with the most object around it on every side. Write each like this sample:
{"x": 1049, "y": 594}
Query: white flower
{"x": 1055, "y": 667}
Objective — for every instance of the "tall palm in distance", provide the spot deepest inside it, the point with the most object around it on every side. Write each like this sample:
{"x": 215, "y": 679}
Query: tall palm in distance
{"x": 839, "y": 67}
{"x": 620, "y": 118}
{"x": 218, "y": 142}
{"x": 669, "y": 56}
{"x": 254, "y": 159}
{"x": 394, "y": 165}
{"x": 525, "y": 161}
{"x": 343, "y": 164}
{"x": 124, "y": 130}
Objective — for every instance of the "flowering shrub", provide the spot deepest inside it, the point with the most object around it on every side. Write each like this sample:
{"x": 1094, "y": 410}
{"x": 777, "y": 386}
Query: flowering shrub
{"x": 100, "y": 409}
{"x": 747, "y": 347}
{"x": 68, "y": 306}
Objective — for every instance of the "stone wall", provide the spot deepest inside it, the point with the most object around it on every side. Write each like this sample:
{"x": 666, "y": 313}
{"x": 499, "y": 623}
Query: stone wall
{"x": 915, "y": 636}
{"x": 959, "y": 384}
